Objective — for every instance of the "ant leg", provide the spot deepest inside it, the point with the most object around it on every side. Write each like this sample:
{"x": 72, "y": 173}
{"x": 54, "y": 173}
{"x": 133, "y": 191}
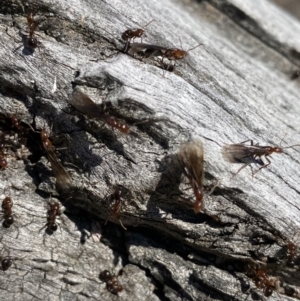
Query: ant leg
{"x": 245, "y": 165}
{"x": 122, "y": 225}
{"x": 264, "y": 166}
{"x": 251, "y": 141}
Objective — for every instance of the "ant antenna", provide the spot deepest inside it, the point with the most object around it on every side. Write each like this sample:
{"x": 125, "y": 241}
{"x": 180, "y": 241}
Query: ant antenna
{"x": 201, "y": 44}
{"x": 149, "y": 23}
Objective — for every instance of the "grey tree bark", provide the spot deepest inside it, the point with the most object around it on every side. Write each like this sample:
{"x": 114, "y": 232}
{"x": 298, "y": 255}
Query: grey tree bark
{"x": 235, "y": 87}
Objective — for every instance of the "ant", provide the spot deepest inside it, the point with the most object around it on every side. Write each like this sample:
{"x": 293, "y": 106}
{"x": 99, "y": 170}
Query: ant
{"x": 263, "y": 281}
{"x": 7, "y": 204}
{"x": 253, "y": 153}
{"x": 295, "y": 74}
{"x": 117, "y": 204}
{"x": 291, "y": 253}
{"x": 3, "y": 161}
{"x": 131, "y": 34}
{"x": 191, "y": 158}
{"x": 112, "y": 283}
{"x": 85, "y": 105}
{"x": 175, "y": 54}
{"x": 63, "y": 178}
{"x": 31, "y": 40}
{"x": 6, "y": 262}
{"x": 53, "y": 212}
{"x": 149, "y": 50}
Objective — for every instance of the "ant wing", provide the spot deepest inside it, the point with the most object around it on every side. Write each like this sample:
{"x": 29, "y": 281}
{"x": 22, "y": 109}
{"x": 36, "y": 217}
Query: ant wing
{"x": 85, "y": 105}
{"x": 191, "y": 154}
{"x": 63, "y": 179}
{"x": 237, "y": 153}
{"x": 148, "y": 49}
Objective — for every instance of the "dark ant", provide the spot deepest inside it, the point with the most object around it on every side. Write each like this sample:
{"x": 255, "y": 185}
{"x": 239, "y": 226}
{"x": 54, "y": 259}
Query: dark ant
{"x": 112, "y": 283}
{"x": 31, "y": 40}
{"x": 291, "y": 253}
{"x": 6, "y": 262}
{"x": 295, "y": 74}
{"x": 191, "y": 158}
{"x": 7, "y": 204}
{"x": 16, "y": 123}
{"x": 253, "y": 153}
{"x": 53, "y": 212}
{"x": 117, "y": 204}
{"x": 86, "y": 106}
{"x": 63, "y": 178}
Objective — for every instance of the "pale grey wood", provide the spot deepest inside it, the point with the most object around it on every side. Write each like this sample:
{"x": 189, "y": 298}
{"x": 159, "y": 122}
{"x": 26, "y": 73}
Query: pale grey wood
{"x": 236, "y": 87}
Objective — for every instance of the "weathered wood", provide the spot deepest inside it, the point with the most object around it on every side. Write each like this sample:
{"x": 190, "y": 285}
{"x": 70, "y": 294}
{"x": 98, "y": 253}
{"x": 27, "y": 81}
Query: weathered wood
{"x": 236, "y": 87}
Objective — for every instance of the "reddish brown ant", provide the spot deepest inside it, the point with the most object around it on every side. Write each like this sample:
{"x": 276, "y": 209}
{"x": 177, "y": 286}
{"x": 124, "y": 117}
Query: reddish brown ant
{"x": 117, "y": 204}
{"x": 7, "y": 204}
{"x": 134, "y": 33}
{"x": 53, "y": 212}
{"x": 131, "y": 34}
{"x": 291, "y": 253}
{"x": 263, "y": 281}
{"x": 3, "y": 161}
{"x": 31, "y": 40}
{"x": 63, "y": 178}
{"x": 191, "y": 158}
{"x": 112, "y": 283}
{"x": 253, "y": 153}
{"x": 86, "y": 106}
{"x": 149, "y": 50}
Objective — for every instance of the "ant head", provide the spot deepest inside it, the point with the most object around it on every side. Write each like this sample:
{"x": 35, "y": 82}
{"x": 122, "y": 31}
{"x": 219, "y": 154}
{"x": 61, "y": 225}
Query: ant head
{"x": 7, "y": 202}
{"x": 268, "y": 291}
{"x": 105, "y": 275}
{"x": 139, "y": 32}
{"x": 127, "y": 34}
{"x": 6, "y": 263}
{"x": 44, "y": 135}
{"x": 3, "y": 163}
{"x": 179, "y": 54}
{"x": 278, "y": 150}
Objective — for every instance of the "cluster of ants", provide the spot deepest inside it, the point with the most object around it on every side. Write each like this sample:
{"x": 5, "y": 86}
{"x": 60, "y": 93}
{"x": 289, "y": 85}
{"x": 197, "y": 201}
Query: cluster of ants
{"x": 12, "y": 145}
{"x": 190, "y": 156}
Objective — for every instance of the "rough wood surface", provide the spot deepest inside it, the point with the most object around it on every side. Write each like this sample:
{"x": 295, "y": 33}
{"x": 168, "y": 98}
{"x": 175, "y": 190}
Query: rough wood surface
{"x": 236, "y": 87}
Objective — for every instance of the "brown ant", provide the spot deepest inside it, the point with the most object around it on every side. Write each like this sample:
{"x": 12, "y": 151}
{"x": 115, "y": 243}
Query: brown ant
{"x": 16, "y": 123}
{"x": 7, "y": 204}
{"x": 134, "y": 33}
{"x": 112, "y": 283}
{"x": 291, "y": 253}
{"x": 3, "y": 161}
{"x": 263, "y": 281}
{"x": 253, "y": 153}
{"x": 63, "y": 178}
{"x": 131, "y": 34}
{"x": 53, "y": 212}
{"x": 85, "y": 105}
{"x": 31, "y": 40}
{"x": 149, "y": 50}
{"x": 191, "y": 158}
{"x": 117, "y": 204}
